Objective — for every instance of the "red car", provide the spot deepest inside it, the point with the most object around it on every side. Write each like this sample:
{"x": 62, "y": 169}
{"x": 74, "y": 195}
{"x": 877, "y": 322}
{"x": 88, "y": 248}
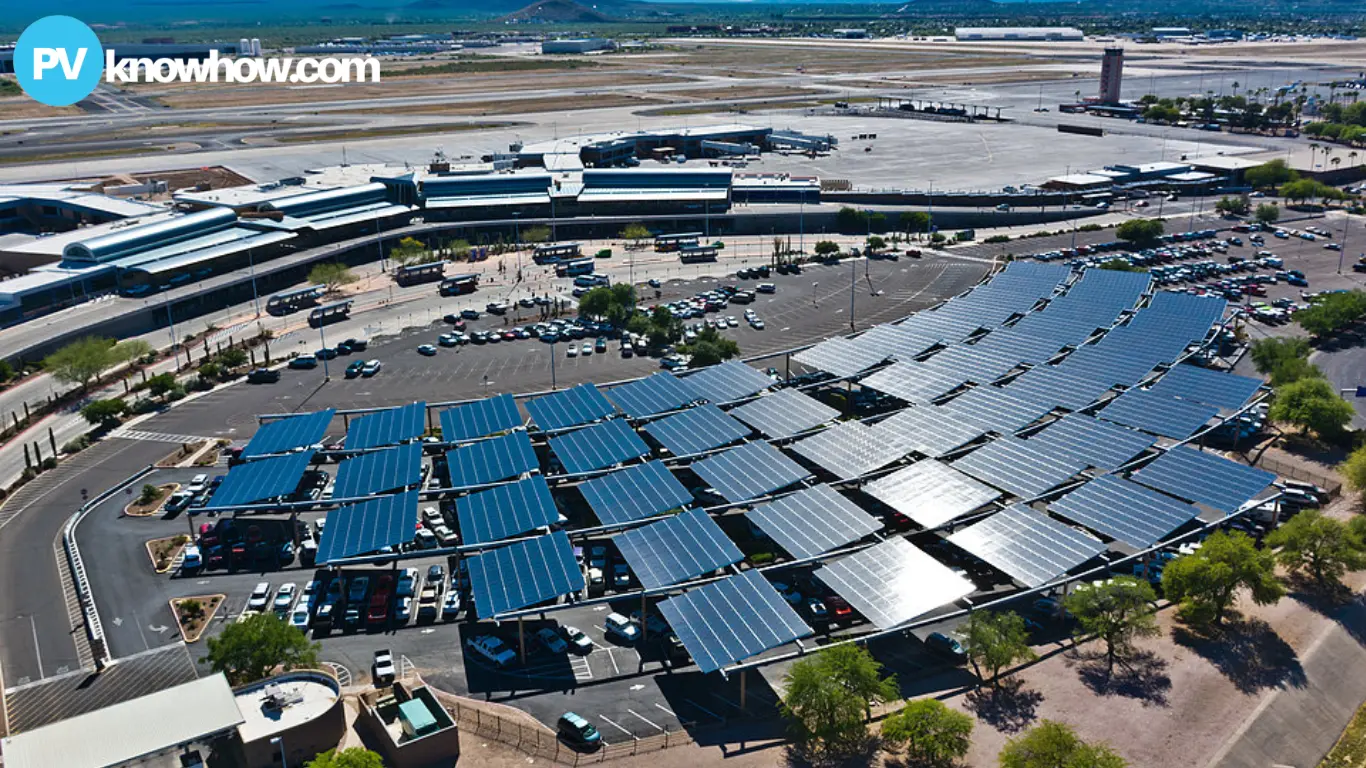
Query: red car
{"x": 379, "y": 599}
{"x": 207, "y": 535}
{"x": 840, "y": 611}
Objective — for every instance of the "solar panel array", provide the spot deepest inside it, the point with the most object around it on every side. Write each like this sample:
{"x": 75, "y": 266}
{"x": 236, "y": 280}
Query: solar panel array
{"x": 749, "y": 471}
{"x": 378, "y": 471}
{"x": 839, "y": 356}
{"x": 813, "y": 521}
{"x": 696, "y": 430}
{"x": 785, "y": 413}
{"x": 388, "y": 427}
{"x": 601, "y": 445}
{"x": 676, "y": 549}
{"x": 930, "y": 493}
{"x": 523, "y": 574}
{"x": 848, "y": 450}
{"x": 974, "y": 362}
{"x": 1204, "y": 477}
{"x": 259, "y": 480}
{"x": 1056, "y": 387}
{"x": 574, "y": 406}
{"x": 634, "y": 493}
{"x": 657, "y": 393}
{"x": 505, "y": 510}
{"x": 284, "y": 435}
{"x": 727, "y": 382}
{"x": 1028, "y": 546}
{"x": 894, "y": 582}
{"x": 1222, "y": 390}
{"x": 915, "y": 382}
{"x": 926, "y": 431}
{"x": 1011, "y": 464}
{"x": 895, "y": 342}
{"x": 480, "y": 418}
{"x": 731, "y": 620}
{"x": 1125, "y": 511}
{"x": 1160, "y": 415}
{"x": 369, "y": 526}
{"x": 491, "y": 460}
{"x": 1091, "y": 441}
{"x": 995, "y": 409}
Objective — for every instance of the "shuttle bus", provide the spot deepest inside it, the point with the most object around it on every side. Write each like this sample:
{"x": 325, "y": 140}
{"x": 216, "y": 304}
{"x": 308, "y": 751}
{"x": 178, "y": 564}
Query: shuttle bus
{"x": 572, "y": 268}
{"x": 458, "y": 285}
{"x": 329, "y": 313}
{"x": 293, "y": 301}
{"x": 556, "y": 253}
{"x": 412, "y": 274}
{"x": 697, "y": 254}
{"x": 667, "y": 243}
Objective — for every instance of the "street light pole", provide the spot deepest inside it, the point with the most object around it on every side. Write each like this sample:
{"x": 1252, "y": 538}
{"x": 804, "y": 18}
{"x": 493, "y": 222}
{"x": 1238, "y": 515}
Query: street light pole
{"x": 853, "y": 278}
{"x": 552, "y": 367}
{"x": 255, "y": 297}
{"x": 327, "y": 374}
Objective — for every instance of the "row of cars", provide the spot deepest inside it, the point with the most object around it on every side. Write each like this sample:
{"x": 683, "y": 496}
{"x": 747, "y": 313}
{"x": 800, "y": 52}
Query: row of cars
{"x": 382, "y": 600}
{"x": 231, "y": 545}
{"x": 1113, "y": 246}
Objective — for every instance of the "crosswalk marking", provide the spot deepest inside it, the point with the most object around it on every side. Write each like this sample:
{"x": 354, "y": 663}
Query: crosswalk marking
{"x": 159, "y": 437}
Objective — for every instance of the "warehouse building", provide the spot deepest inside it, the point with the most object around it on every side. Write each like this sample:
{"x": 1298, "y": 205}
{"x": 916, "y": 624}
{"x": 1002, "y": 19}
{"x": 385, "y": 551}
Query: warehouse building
{"x": 580, "y": 45}
{"x": 1034, "y": 34}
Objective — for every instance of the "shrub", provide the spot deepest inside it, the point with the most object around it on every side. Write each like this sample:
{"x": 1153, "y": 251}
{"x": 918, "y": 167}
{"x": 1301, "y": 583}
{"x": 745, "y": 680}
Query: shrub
{"x": 76, "y": 444}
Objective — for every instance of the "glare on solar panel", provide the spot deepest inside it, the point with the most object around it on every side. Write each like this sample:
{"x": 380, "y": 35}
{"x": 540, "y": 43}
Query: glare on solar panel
{"x": 839, "y": 356}
{"x": 676, "y": 549}
{"x": 1028, "y": 546}
{"x": 726, "y": 382}
{"x": 894, "y": 582}
{"x": 930, "y": 493}
{"x": 785, "y": 413}
{"x": 915, "y": 382}
{"x": 1011, "y": 464}
{"x": 997, "y": 410}
{"x": 926, "y": 430}
{"x": 848, "y": 450}
{"x": 748, "y": 471}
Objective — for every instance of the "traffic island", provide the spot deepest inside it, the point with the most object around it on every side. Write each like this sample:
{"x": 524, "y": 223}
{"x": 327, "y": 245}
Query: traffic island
{"x": 180, "y": 455}
{"x": 164, "y": 551}
{"x": 149, "y": 501}
{"x": 193, "y": 614}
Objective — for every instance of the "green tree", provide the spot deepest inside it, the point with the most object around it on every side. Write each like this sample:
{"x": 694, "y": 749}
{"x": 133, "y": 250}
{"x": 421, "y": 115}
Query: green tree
{"x": 536, "y": 234}
{"x": 331, "y": 275}
{"x": 232, "y": 357}
{"x": 615, "y": 303}
{"x": 81, "y": 361}
{"x": 148, "y": 494}
{"x": 1353, "y": 470}
{"x": 1232, "y": 206}
{"x": 1140, "y": 230}
{"x": 851, "y": 221}
{"x": 876, "y": 243}
{"x": 830, "y": 694}
{"x": 1206, "y": 582}
{"x": 827, "y": 248}
{"x": 1269, "y": 352}
{"x": 6, "y": 371}
{"x": 994, "y": 641}
{"x": 130, "y": 350}
{"x": 634, "y": 234}
{"x": 1121, "y": 265}
{"x": 1051, "y": 744}
{"x": 1313, "y": 405}
{"x": 1269, "y": 174}
{"x": 1268, "y": 213}
{"x": 104, "y": 413}
{"x": 249, "y": 650}
{"x": 932, "y": 733}
{"x": 1117, "y": 612}
{"x": 409, "y": 250}
{"x": 351, "y": 757}
{"x": 160, "y": 384}
{"x": 1323, "y": 547}
{"x": 710, "y": 348}
{"x": 914, "y": 222}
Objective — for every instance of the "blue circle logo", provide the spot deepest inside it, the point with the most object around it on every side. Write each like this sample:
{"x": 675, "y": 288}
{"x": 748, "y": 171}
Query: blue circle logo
{"x": 58, "y": 60}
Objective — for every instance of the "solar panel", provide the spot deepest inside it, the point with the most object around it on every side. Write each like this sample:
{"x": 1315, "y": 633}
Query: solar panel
{"x": 915, "y": 382}
{"x": 930, "y": 493}
{"x": 974, "y": 362}
{"x": 523, "y": 574}
{"x": 696, "y": 430}
{"x": 676, "y": 549}
{"x": 785, "y": 413}
{"x": 479, "y": 418}
{"x": 1011, "y": 464}
{"x": 570, "y": 408}
{"x": 653, "y": 394}
{"x": 1204, "y": 477}
{"x": 287, "y": 434}
{"x": 1028, "y": 546}
{"x": 1160, "y": 415}
{"x": 893, "y": 582}
{"x": 727, "y": 382}
{"x": 487, "y": 461}
{"x": 598, "y": 446}
{"x": 1224, "y": 390}
{"x": 258, "y": 480}
{"x": 1117, "y": 364}
{"x": 379, "y": 471}
{"x": 996, "y": 410}
{"x": 1091, "y": 441}
{"x": 1049, "y": 384}
{"x": 848, "y": 450}
{"x": 1024, "y": 347}
{"x": 813, "y": 521}
{"x": 1123, "y": 510}
{"x": 748, "y": 471}
{"x": 925, "y": 430}
{"x": 369, "y": 526}
{"x": 505, "y": 510}
{"x": 388, "y": 427}
{"x": 839, "y": 356}
{"x": 895, "y": 342}
{"x": 634, "y": 493}
{"x": 731, "y": 620}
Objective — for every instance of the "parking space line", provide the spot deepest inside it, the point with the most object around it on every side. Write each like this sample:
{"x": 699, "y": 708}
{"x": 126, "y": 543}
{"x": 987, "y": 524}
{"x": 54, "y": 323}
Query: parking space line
{"x": 646, "y": 720}
{"x": 614, "y": 725}
{"x": 727, "y": 701}
{"x": 615, "y": 669}
{"x": 666, "y": 709}
{"x": 704, "y": 709}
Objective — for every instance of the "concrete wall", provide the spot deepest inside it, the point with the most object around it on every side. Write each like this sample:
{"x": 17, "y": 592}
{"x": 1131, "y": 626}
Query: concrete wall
{"x": 441, "y": 747}
{"x": 306, "y": 740}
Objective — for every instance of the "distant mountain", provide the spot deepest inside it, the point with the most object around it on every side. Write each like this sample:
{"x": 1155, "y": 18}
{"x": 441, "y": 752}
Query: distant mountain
{"x": 557, "y": 12}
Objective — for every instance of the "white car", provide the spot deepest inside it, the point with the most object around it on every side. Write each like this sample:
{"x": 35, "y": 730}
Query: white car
{"x": 197, "y": 483}
{"x": 586, "y": 350}
{"x": 299, "y": 618}
{"x": 260, "y": 597}
{"x": 621, "y": 627}
{"x": 493, "y": 649}
{"x": 403, "y": 609}
{"x": 284, "y": 599}
{"x": 573, "y": 351}
{"x": 450, "y": 607}
{"x": 431, "y": 517}
{"x": 581, "y": 642}
{"x": 551, "y": 640}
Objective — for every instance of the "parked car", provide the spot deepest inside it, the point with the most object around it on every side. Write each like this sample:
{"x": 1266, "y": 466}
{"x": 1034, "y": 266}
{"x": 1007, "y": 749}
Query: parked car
{"x": 450, "y": 607}
{"x": 426, "y": 350}
{"x": 263, "y": 376}
{"x": 578, "y": 732}
{"x": 260, "y": 597}
{"x": 621, "y": 627}
{"x": 353, "y": 370}
{"x": 284, "y": 599}
{"x": 492, "y": 649}
{"x": 371, "y": 368}
{"x": 179, "y": 501}
{"x": 580, "y": 642}
{"x": 946, "y": 646}
{"x": 382, "y": 669}
{"x": 551, "y": 640}
{"x": 304, "y": 362}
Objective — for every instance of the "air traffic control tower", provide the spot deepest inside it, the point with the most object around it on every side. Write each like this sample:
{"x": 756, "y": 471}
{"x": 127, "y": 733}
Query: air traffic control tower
{"x": 1111, "y": 72}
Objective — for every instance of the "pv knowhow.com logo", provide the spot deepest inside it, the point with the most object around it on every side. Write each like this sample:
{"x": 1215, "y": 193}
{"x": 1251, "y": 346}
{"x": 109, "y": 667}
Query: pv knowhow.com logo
{"x": 59, "y": 61}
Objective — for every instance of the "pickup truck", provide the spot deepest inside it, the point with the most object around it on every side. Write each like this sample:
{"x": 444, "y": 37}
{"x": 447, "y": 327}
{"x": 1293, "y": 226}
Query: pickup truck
{"x": 427, "y": 606}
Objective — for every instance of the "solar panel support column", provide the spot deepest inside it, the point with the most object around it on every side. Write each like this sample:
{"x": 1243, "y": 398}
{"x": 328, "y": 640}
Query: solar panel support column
{"x": 521, "y": 640}
{"x": 743, "y": 677}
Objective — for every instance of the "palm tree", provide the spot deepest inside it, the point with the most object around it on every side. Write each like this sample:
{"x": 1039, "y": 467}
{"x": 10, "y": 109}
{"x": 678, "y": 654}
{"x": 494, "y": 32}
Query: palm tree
{"x": 1336, "y": 162}
{"x": 1235, "y": 87}
{"x": 1313, "y": 147}
{"x": 1352, "y": 156}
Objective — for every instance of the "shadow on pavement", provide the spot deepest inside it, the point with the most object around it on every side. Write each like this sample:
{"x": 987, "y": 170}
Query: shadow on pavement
{"x": 1248, "y": 652}
{"x": 1142, "y": 675}
{"x": 1009, "y": 708}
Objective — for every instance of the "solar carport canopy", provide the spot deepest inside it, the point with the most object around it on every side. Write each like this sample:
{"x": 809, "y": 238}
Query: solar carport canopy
{"x": 505, "y": 510}
{"x": 379, "y": 471}
{"x": 813, "y": 521}
{"x": 1026, "y": 545}
{"x": 893, "y": 582}
{"x": 598, "y": 446}
{"x": 264, "y": 479}
{"x": 369, "y": 526}
{"x": 1123, "y": 510}
{"x": 523, "y": 574}
{"x": 634, "y": 493}
{"x": 785, "y": 413}
{"x": 479, "y": 418}
{"x": 848, "y": 450}
{"x": 287, "y": 434}
{"x": 727, "y": 382}
{"x": 930, "y": 493}
{"x": 748, "y": 471}
{"x": 1091, "y": 441}
{"x": 926, "y": 430}
{"x": 676, "y": 549}
{"x": 1204, "y": 477}
{"x": 840, "y": 356}
{"x": 731, "y": 620}
{"x": 1011, "y": 464}
{"x": 1158, "y": 414}
{"x": 570, "y": 408}
{"x": 1222, "y": 390}
{"x": 656, "y": 393}
{"x": 488, "y": 461}
{"x": 388, "y": 427}
{"x": 696, "y": 430}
